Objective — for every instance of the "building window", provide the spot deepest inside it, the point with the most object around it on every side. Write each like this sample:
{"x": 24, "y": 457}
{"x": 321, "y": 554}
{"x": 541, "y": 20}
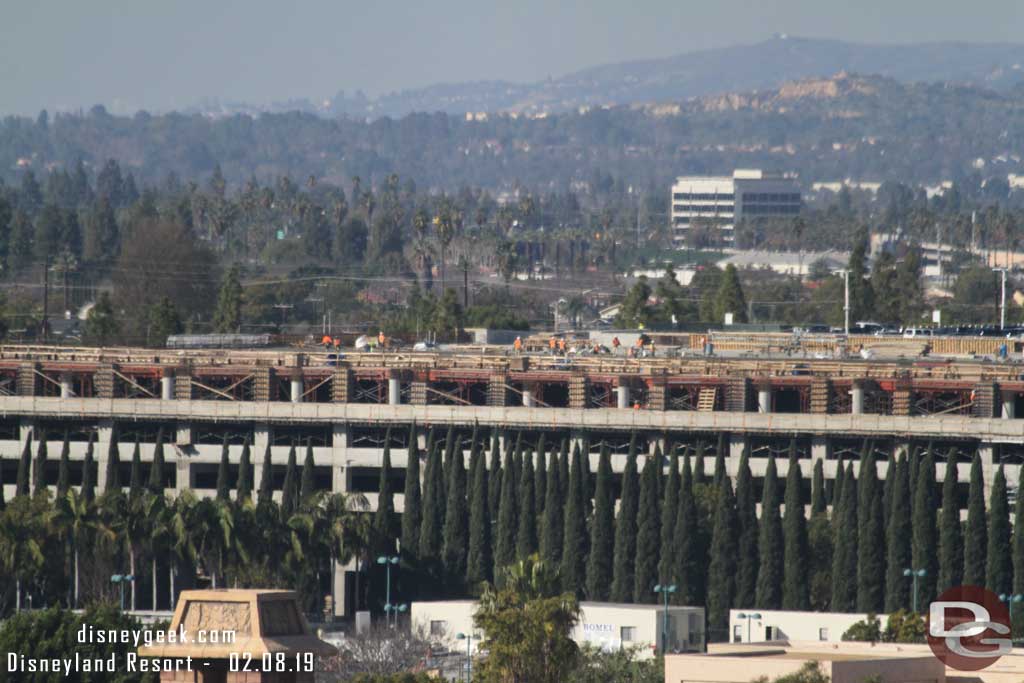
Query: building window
{"x": 438, "y": 628}
{"x": 822, "y": 634}
{"x": 627, "y": 634}
{"x": 737, "y": 634}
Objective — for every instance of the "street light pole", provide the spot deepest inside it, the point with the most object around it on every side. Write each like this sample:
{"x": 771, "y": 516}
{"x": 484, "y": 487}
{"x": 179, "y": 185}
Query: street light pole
{"x": 749, "y": 618}
{"x": 915, "y": 574}
{"x": 1002, "y": 297}
{"x": 846, "y": 302}
{"x": 387, "y": 561}
{"x": 665, "y": 591}
{"x": 468, "y": 637}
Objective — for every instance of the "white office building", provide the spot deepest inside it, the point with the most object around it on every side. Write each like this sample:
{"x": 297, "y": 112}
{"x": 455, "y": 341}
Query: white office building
{"x": 760, "y": 626}
{"x": 721, "y": 202}
{"x": 604, "y": 625}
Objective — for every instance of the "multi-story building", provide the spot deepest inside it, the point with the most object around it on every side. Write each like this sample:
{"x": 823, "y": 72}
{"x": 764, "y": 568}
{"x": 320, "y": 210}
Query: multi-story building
{"x": 721, "y": 202}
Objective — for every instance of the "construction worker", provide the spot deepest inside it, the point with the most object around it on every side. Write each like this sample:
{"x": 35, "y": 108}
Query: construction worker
{"x": 326, "y": 341}
{"x": 561, "y": 346}
{"x": 615, "y": 345}
{"x": 381, "y": 339}
{"x": 551, "y": 345}
{"x": 337, "y": 343}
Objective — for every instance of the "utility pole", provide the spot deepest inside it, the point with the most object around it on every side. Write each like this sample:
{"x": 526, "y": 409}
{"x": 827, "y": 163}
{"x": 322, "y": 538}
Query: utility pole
{"x": 46, "y": 298}
{"x": 283, "y": 308}
{"x": 846, "y": 301}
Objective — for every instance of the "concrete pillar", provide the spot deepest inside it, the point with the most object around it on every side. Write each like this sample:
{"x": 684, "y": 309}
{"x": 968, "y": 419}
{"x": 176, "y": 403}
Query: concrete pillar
{"x": 819, "y": 448}
{"x": 736, "y": 444}
{"x": 394, "y": 391}
{"x": 764, "y": 399}
{"x": 857, "y": 398}
{"x": 622, "y": 393}
{"x": 528, "y": 401}
{"x": 296, "y": 389}
{"x": 66, "y": 390}
{"x": 183, "y": 435}
{"x": 1009, "y": 405}
{"x": 104, "y": 433}
{"x": 167, "y": 387}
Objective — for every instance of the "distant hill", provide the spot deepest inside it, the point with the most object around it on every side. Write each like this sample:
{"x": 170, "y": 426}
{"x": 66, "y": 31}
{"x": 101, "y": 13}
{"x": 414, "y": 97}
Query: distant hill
{"x": 742, "y": 68}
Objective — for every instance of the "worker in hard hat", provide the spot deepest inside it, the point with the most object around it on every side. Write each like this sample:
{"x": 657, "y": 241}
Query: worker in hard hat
{"x": 381, "y": 340}
{"x": 518, "y": 345}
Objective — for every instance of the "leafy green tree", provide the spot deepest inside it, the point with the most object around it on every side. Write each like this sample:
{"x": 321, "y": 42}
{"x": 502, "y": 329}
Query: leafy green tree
{"x": 88, "y": 489}
{"x": 307, "y": 481}
{"x": 243, "y": 491}
{"x": 648, "y": 531}
{"x": 819, "y": 540}
{"x": 723, "y": 562}
{"x": 290, "y": 490}
{"x": 101, "y": 324}
{"x": 384, "y": 518}
{"x": 508, "y": 521}
{"x": 526, "y": 534}
{"x": 112, "y": 483}
{"x": 432, "y": 530}
{"x": 770, "y": 544}
{"x": 635, "y": 311}
{"x": 870, "y": 536}
{"x": 795, "y": 594}
{"x": 818, "y": 504}
{"x": 999, "y": 566}
{"x": 448, "y": 317}
{"x": 602, "y": 543}
{"x": 1017, "y": 551}
{"x": 64, "y": 470}
{"x": 227, "y": 317}
{"x": 495, "y": 475}
{"x": 868, "y": 630}
{"x": 23, "y": 483}
{"x": 540, "y": 482}
{"x": 729, "y": 298}
{"x": 156, "y": 468}
{"x": 861, "y": 295}
{"x": 527, "y": 625}
{"x": 554, "y": 522}
{"x": 975, "y": 533}
{"x": 844, "y": 558}
{"x": 266, "y": 490}
{"x": 951, "y": 552}
{"x": 624, "y": 568}
{"x": 574, "y": 541}
{"x": 746, "y": 515}
{"x": 925, "y": 530}
{"x": 135, "y": 480}
{"x": 412, "y": 516}
{"x": 164, "y": 320}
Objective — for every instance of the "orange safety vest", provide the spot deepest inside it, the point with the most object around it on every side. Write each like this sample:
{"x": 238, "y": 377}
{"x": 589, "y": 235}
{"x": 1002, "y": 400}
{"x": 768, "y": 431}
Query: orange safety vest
{"x": 551, "y": 343}
{"x": 326, "y": 340}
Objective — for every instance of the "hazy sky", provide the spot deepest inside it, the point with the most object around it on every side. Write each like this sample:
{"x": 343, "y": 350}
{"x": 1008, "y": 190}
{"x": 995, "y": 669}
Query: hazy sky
{"x": 160, "y": 55}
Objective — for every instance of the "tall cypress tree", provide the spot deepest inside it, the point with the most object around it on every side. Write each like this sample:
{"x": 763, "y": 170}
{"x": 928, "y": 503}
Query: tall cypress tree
{"x": 243, "y": 491}
{"x": 951, "y": 551}
{"x": 870, "y": 537}
{"x": 39, "y": 476}
{"x": 912, "y": 466}
{"x": 818, "y": 504}
{"x": 113, "y": 471}
{"x": 602, "y": 543}
{"x": 687, "y": 557}
{"x": 669, "y": 511}
{"x": 449, "y": 451}
{"x": 553, "y": 525}
{"x": 3, "y": 500}
{"x": 431, "y": 531}
{"x": 624, "y": 576}
{"x": 88, "y": 473}
{"x": 540, "y": 482}
{"x": 266, "y": 492}
{"x": 526, "y": 534}
{"x": 648, "y": 535}
{"x": 1017, "y": 609}
{"x": 155, "y": 484}
{"x": 770, "y": 544}
{"x": 837, "y": 485}
{"x": 64, "y": 470}
{"x": 795, "y": 594}
{"x": 135, "y": 481}
{"x": 924, "y": 531}
{"x": 307, "y": 485}
{"x": 844, "y": 562}
{"x": 25, "y": 468}
{"x": 898, "y": 539}
{"x": 746, "y": 516}
{"x": 999, "y": 567}
{"x": 479, "y": 559}
{"x": 720, "y": 454}
{"x": 975, "y": 532}
{"x": 456, "y": 519}
{"x": 223, "y": 485}
{"x": 563, "y": 473}
{"x": 723, "y": 563}
{"x": 291, "y": 486}
{"x": 574, "y": 542}
{"x": 699, "y": 476}
{"x": 495, "y": 475}
{"x": 412, "y": 516}
{"x": 890, "y": 472}
{"x": 508, "y": 520}
{"x": 384, "y": 517}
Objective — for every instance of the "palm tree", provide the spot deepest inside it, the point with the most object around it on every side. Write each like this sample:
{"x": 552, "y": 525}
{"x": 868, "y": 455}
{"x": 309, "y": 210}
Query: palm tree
{"x": 22, "y": 541}
{"x": 75, "y": 519}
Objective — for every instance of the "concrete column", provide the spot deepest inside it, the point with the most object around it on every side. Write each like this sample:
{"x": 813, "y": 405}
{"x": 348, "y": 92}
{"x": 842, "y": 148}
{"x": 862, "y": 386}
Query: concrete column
{"x": 622, "y": 393}
{"x": 1009, "y": 405}
{"x": 183, "y": 436}
{"x": 764, "y": 399}
{"x": 857, "y": 398}
{"x": 736, "y": 444}
{"x": 296, "y": 389}
{"x": 394, "y": 391}
{"x": 104, "y": 433}
{"x": 528, "y": 401}
{"x": 167, "y": 387}
{"x": 66, "y": 390}
{"x": 987, "y": 452}
{"x": 819, "y": 448}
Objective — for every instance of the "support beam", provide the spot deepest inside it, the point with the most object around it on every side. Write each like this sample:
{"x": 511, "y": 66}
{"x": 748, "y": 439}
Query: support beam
{"x": 394, "y": 391}
{"x": 528, "y": 401}
{"x": 296, "y": 388}
{"x": 857, "y": 398}
{"x": 622, "y": 394}
{"x": 167, "y": 389}
{"x": 764, "y": 398}
{"x": 66, "y": 385}
{"x": 1009, "y": 404}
